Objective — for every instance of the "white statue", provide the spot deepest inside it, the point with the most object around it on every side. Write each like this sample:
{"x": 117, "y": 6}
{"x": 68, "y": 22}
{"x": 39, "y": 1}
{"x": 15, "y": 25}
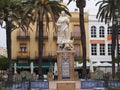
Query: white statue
{"x": 63, "y": 39}
{"x": 63, "y": 28}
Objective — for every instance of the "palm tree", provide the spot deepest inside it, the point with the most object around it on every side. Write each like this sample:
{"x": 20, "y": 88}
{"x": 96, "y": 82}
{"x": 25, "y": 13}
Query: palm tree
{"x": 81, "y": 5}
{"x": 5, "y": 7}
{"x": 107, "y": 8}
{"x": 45, "y": 9}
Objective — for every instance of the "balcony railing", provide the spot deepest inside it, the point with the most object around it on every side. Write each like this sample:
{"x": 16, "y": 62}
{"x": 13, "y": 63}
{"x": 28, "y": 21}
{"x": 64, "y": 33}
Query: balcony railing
{"x": 45, "y": 36}
{"x": 76, "y": 35}
{"x": 47, "y": 54}
{"x": 23, "y": 55}
{"x": 24, "y": 35}
{"x": 77, "y": 57}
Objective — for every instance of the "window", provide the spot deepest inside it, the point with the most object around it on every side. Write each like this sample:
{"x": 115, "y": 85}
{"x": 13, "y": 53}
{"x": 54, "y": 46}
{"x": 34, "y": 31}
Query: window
{"x": 23, "y": 47}
{"x": 77, "y": 31}
{"x": 77, "y": 50}
{"x": 93, "y": 31}
{"x": 101, "y": 31}
{"x": 23, "y": 33}
{"x": 109, "y": 30}
{"x": 109, "y": 49}
{"x": 102, "y": 49}
{"x": 93, "y": 49}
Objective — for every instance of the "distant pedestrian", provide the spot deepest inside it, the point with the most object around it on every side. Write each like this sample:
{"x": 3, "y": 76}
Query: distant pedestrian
{"x": 37, "y": 77}
{"x": 55, "y": 75}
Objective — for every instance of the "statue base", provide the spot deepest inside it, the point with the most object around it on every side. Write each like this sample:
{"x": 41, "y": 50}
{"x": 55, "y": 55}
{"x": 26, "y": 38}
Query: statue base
{"x": 66, "y": 85}
{"x": 65, "y": 60}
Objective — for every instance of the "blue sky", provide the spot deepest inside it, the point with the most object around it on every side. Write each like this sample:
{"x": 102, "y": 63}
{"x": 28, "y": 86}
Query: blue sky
{"x": 90, "y": 6}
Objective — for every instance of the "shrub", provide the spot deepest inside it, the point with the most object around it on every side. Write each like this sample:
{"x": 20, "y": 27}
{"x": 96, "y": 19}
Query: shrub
{"x": 98, "y": 74}
{"x": 113, "y": 88}
{"x": 4, "y": 88}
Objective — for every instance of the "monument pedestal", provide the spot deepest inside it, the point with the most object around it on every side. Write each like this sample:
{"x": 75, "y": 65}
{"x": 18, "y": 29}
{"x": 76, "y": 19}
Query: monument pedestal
{"x": 66, "y": 85}
{"x": 65, "y": 62}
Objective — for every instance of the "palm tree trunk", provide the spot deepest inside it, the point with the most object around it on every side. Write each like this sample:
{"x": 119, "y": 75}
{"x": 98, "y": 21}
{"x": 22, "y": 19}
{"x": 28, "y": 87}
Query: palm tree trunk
{"x": 118, "y": 46}
{"x": 81, "y": 4}
{"x": 40, "y": 48}
{"x": 114, "y": 37}
{"x": 83, "y": 40}
{"x": 8, "y": 37}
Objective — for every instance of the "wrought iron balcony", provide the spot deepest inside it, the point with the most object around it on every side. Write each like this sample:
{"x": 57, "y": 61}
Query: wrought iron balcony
{"x": 77, "y": 57}
{"x": 23, "y": 55}
{"x": 45, "y": 36}
{"x": 24, "y": 35}
{"x": 76, "y": 36}
{"x": 48, "y": 55}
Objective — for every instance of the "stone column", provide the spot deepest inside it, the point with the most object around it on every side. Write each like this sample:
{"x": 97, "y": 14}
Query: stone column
{"x": 32, "y": 67}
{"x": 91, "y": 70}
{"x": 15, "y": 66}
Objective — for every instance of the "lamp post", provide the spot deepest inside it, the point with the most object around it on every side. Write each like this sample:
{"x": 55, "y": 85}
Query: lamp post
{"x": 115, "y": 36}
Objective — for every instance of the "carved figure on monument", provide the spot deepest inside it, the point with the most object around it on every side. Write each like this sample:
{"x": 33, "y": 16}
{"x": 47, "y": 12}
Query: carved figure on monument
{"x": 63, "y": 38}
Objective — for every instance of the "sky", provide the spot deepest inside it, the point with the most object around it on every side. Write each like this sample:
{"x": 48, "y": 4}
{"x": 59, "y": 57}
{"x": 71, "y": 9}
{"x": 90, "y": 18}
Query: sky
{"x": 2, "y": 36}
{"x": 90, "y": 5}
{"x": 90, "y": 8}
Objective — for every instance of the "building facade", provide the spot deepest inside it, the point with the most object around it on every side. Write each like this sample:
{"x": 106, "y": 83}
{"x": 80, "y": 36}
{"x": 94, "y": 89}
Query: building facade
{"x": 99, "y": 42}
{"x": 3, "y": 51}
{"x": 25, "y": 45}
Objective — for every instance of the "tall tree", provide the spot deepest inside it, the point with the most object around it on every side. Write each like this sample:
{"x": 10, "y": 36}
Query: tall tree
{"x": 12, "y": 9}
{"x": 107, "y": 8}
{"x": 81, "y": 5}
{"x": 45, "y": 10}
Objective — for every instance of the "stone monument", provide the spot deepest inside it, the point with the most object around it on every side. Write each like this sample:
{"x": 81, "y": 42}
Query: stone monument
{"x": 65, "y": 54}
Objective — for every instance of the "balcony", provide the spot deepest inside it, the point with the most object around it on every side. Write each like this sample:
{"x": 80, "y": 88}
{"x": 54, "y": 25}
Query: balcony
{"x": 48, "y": 55}
{"x": 45, "y": 36}
{"x": 23, "y": 35}
{"x": 76, "y": 36}
{"x": 23, "y": 55}
{"x": 77, "y": 57}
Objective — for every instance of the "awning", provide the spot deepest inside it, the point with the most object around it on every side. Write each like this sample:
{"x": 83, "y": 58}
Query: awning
{"x": 27, "y": 65}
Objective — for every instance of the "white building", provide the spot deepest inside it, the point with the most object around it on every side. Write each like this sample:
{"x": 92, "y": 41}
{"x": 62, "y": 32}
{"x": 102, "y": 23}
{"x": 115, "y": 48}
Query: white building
{"x": 99, "y": 41}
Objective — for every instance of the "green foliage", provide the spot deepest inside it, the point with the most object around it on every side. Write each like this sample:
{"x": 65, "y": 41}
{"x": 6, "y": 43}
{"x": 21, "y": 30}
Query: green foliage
{"x": 99, "y": 74}
{"x": 117, "y": 59}
{"x": 26, "y": 74}
{"x": 4, "y": 88}
{"x": 4, "y": 63}
{"x": 23, "y": 75}
{"x": 107, "y": 8}
{"x": 17, "y": 78}
{"x": 113, "y": 88}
